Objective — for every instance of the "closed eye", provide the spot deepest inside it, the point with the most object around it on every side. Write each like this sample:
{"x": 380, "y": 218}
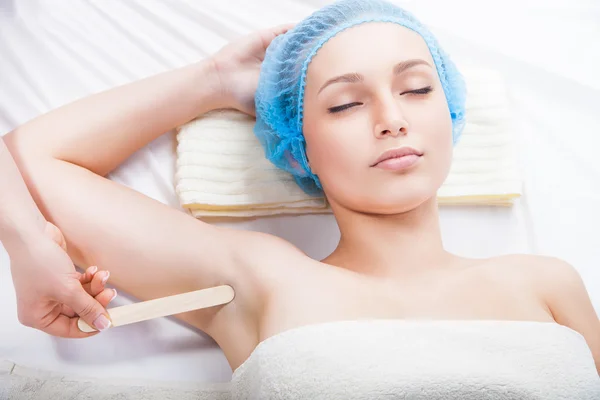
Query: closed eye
{"x": 425, "y": 90}
{"x": 343, "y": 107}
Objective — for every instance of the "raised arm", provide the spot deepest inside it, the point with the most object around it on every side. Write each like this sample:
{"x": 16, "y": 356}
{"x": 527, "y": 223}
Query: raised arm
{"x": 99, "y": 132}
{"x": 150, "y": 249}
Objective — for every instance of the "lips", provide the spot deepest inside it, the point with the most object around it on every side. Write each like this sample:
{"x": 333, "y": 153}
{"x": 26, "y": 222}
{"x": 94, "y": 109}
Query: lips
{"x": 400, "y": 157}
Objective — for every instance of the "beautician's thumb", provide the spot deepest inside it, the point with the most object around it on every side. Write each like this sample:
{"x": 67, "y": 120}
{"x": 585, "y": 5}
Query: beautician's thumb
{"x": 90, "y": 310}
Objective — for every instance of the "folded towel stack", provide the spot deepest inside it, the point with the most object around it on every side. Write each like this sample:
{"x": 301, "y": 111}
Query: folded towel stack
{"x": 222, "y": 171}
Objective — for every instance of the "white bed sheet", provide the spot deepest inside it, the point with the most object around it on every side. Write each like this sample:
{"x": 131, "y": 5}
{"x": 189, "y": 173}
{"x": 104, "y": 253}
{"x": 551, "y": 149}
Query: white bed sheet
{"x": 54, "y": 52}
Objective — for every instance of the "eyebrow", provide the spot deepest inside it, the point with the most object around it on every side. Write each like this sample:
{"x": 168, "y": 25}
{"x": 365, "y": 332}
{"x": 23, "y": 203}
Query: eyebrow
{"x": 354, "y": 77}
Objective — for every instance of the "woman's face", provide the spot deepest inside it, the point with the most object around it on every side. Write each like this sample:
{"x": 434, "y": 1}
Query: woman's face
{"x": 370, "y": 89}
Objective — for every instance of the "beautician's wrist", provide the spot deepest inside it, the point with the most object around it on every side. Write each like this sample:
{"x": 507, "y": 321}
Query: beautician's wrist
{"x": 19, "y": 234}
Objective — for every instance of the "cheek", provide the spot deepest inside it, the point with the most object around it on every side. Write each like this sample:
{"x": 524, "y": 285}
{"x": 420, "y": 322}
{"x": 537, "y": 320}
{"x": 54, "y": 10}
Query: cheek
{"x": 332, "y": 148}
{"x": 440, "y": 143}
{"x": 431, "y": 125}
{"x": 433, "y": 122}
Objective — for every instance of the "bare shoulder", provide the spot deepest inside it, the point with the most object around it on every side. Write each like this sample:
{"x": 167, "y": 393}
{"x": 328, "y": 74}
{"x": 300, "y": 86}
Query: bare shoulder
{"x": 550, "y": 278}
{"x": 526, "y": 282}
{"x": 556, "y": 277}
{"x": 553, "y": 277}
{"x": 562, "y": 289}
{"x": 541, "y": 271}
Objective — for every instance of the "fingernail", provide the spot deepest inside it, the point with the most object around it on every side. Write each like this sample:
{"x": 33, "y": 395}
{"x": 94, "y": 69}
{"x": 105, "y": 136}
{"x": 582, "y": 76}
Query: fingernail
{"x": 105, "y": 278}
{"x": 93, "y": 270}
{"x": 114, "y": 295}
{"x": 102, "y": 323}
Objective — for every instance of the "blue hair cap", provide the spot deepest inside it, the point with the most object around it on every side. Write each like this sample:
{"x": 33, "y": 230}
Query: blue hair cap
{"x": 279, "y": 97}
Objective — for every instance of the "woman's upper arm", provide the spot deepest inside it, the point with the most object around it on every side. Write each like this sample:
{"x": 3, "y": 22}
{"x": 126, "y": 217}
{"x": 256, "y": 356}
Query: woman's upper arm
{"x": 151, "y": 250}
{"x": 570, "y": 303}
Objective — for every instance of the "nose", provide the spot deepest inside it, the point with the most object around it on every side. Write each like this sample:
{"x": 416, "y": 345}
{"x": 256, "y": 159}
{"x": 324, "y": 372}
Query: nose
{"x": 391, "y": 121}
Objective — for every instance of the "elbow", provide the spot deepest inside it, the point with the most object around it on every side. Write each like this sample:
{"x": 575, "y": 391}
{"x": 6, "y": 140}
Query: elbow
{"x": 23, "y": 147}
{"x": 28, "y": 155}
{"x": 31, "y": 160}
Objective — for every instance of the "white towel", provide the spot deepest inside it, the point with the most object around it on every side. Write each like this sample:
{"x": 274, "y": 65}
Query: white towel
{"x": 222, "y": 170}
{"x": 420, "y": 360}
{"x": 393, "y": 359}
{"x": 18, "y": 382}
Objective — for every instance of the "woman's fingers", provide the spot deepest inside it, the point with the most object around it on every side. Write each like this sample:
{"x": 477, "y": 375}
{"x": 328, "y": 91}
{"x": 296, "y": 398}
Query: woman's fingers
{"x": 94, "y": 281}
{"x": 87, "y": 276}
{"x": 98, "y": 283}
{"x": 278, "y": 30}
{"x": 267, "y": 35}
{"x": 106, "y": 296}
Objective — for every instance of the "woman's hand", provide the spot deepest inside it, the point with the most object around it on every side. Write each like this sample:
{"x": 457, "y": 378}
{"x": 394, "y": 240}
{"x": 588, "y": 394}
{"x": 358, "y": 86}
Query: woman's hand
{"x": 51, "y": 294}
{"x": 237, "y": 66}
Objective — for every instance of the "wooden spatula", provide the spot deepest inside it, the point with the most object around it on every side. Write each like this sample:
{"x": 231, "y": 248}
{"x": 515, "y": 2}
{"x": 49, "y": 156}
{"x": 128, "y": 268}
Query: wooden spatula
{"x": 166, "y": 306}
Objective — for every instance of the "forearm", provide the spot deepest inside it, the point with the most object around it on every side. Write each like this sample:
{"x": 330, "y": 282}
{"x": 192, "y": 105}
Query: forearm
{"x": 101, "y": 131}
{"x": 20, "y": 218}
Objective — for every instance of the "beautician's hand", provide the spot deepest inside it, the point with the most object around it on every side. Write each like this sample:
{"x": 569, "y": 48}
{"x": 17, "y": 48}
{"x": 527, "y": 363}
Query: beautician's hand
{"x": 238, "y": 66}
{"x": 51, "y": 293}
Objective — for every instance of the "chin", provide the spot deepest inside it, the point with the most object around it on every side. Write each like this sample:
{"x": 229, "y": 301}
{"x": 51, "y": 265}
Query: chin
{"x": 389, "y": 200}
{"x": 399, "y": 204}
{"x": 394, "y": 195}
{"x": 403, "y": 195}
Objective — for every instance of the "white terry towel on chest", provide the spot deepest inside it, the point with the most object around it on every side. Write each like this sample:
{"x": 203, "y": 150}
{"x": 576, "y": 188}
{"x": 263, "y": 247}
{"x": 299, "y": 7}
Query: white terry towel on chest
{"x": 420, "y": 360}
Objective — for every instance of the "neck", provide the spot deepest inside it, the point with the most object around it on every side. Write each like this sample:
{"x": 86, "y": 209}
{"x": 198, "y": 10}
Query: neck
{"x": 390, "y": 245}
